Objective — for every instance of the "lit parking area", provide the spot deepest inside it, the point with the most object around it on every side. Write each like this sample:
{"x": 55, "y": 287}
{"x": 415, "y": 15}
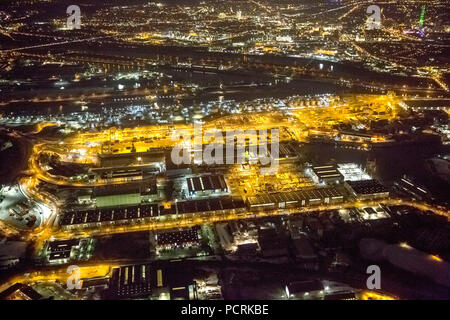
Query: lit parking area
{"x": 18, "y": 210}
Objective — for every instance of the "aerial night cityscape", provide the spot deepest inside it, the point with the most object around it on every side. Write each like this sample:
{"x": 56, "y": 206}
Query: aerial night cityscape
{"x": 226, "y": 150}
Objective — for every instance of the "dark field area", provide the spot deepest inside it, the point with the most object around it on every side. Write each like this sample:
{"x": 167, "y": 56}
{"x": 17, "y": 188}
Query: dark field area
{"x": 123, "y": 247}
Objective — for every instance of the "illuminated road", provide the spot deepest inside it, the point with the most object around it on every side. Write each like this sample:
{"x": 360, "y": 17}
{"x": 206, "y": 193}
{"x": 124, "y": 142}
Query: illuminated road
{"x": 190, "y": 220}
{"x": 372, "y": 295}
{"x": 59, "y": 274}
{"x": 61, "y": 43}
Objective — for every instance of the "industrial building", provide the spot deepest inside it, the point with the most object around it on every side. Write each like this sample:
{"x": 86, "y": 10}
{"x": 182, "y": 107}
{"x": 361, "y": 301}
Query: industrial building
{"x": 127, "y": 167}
{"x": 108, "y": 160}
{"x": 102, "y": 216}
{"x": 367, "y": 189}
{"x": 352, "y": 172}
{"x": 121, "y": 174}
{"x": 305, "y": 290}
{"x": 134, "y": 281}
{"x": 122, "y": 194}
{"x": 207, "y": 185}
{"x": 144, "y": 280}
{"x": 64, "y": 251}
{"x": 288, "y": 152}
{"x": 145, "y": 212}
{"x": 427, "y": 104}
{"x": 328, "y": 174}
{"x": 372, "y": 213}
{"x": 175, "y": 239}
{"x": 126, "y": 194}
{"x": 304, "y": 197}
{"x": 61, "y": 249}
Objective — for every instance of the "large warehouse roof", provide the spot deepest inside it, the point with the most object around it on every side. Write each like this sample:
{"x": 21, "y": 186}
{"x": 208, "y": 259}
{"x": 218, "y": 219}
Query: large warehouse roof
{"x": 327, "y": 172}
{"x": 206, "y": 183}
{"x": 150, "y": 210}
{"x": 367, "y": 187}
{"x": 314, "y": 194}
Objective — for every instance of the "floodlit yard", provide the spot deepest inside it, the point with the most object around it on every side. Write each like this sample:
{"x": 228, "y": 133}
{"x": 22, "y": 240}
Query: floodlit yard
{"x": 18, "y": 210}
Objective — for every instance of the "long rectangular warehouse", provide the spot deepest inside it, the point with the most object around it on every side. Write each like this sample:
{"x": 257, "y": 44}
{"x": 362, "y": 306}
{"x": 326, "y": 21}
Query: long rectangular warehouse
{"x": 314, "y": 196}
{"x": 206, "y": 185}
{"x": 101, "y": 216}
